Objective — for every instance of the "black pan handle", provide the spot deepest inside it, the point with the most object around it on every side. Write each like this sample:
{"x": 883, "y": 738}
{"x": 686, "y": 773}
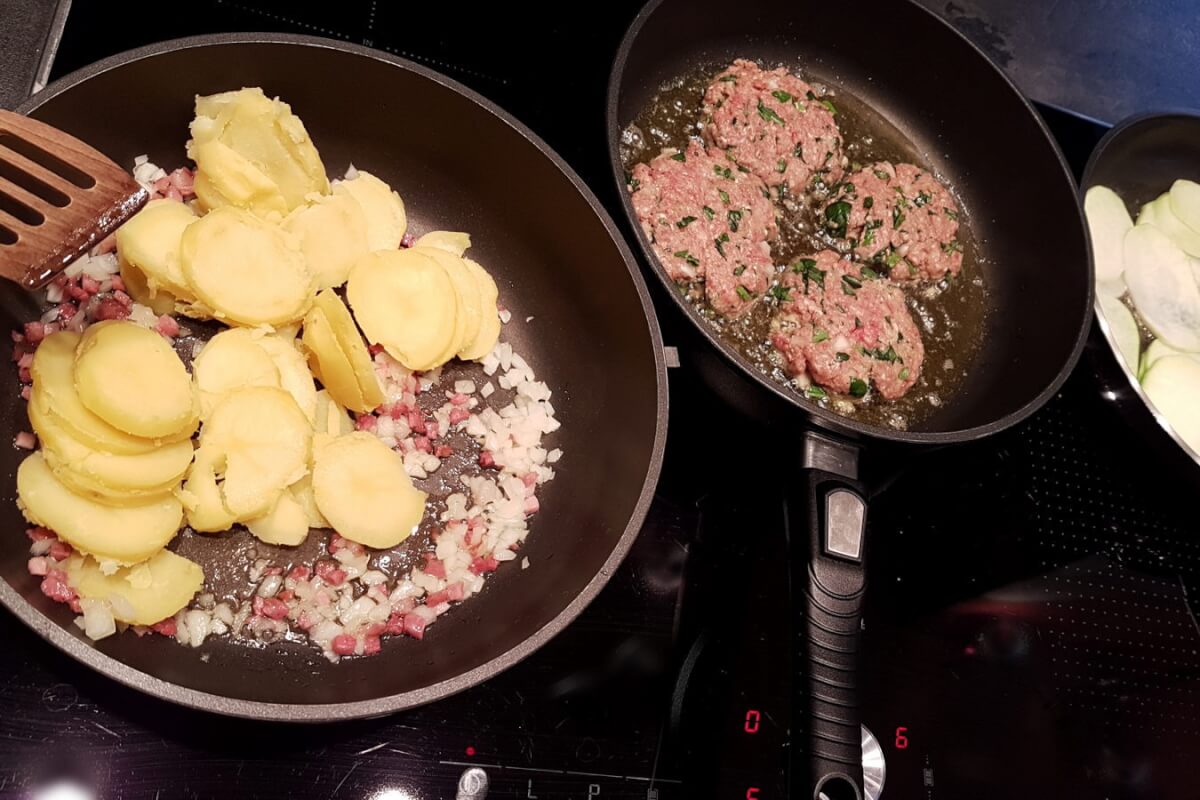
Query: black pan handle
{"x": 827, "y": 514}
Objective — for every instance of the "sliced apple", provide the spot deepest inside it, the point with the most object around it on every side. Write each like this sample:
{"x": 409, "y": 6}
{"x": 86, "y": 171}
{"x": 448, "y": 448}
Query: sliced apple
{"x": 1163, "y": 287}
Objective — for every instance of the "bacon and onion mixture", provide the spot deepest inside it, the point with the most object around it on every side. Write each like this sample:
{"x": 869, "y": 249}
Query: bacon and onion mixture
{"x": 262, "y": 352}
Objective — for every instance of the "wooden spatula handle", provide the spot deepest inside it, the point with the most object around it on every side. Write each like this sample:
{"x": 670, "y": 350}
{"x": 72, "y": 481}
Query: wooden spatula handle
{"x": 59, "y": 197}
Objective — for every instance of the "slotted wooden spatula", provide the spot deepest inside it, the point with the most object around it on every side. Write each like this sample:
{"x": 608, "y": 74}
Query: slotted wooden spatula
{"x": 58, "y": 198}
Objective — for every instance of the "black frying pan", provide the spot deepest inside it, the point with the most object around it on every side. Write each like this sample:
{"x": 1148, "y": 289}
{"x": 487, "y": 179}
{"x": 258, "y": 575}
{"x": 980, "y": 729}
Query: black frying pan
{"x": 460, "y": 163}
{"x": 976, "y": 130}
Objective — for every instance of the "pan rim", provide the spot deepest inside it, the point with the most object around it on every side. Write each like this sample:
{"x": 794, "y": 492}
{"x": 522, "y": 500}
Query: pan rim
{"x": 106, "y": 665}
{"x": 828, "y": 420}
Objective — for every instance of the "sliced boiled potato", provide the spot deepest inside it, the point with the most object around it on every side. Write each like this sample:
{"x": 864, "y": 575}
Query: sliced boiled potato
{"x": 150, "y": 242}
{"x": 383, "y": 209}
{"x": 294, "y": 375}
{"x": 247, "y": 270}
{"x": 1123, "y": 328}
{"x": 352, "y": 345}
{"x": 159, "y": 301}
{"x": 125, "y": 534}
{"x": 302, "y": 492}
{"x": 1185, "y": 202}
{"x": 1163, "y": 287}
{"x": 489, "y": 320}
{"x": 332, "y": 232}
{"x": 232, "y": 360}
{"x": 362, "y": 489}
{"x": 54, "y": 395}
{"x": 1173, "y": 384}
{"x": 142, "y": 594}
{"x": 406, "y": 302}
{"x": 285, "y": 524}
{"x": 469, "y": 292}
{"x": 453, "y": 242}
{"x": 225, "y": 177}
{"x": 130, "y": 377}
{"x": 331, "y": 417}
{"x": 264, "y": 440}
{"x": 201, "y": 495}
{"x": 1159, "y": 213}
{"x": 267, "y": 134}
{"x": 109, "y": 478}
{"x": 330, "y": 363}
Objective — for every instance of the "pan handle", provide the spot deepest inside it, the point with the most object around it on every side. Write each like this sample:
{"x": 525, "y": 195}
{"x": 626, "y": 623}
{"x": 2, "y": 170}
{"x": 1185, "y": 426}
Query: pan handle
{"x": 827, "y": 516}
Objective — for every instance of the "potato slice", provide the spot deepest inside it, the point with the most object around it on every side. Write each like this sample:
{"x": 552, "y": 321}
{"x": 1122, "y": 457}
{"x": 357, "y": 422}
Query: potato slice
{"x": 267, "y": 134}
{"x": 130, "y": 377}
{"x": 406, "y": 302}
{"x": 294, "y": 375}
{"x": 285, "y": 524}
{"x": 302, "y": 492}
{"x": 150, "y": 242}
{"x": 160, "y": 301}
{"x": 247, "y": 270}
{"x": 109, "y": 478}
{"x": 382, "y": 207}
{"x": 470, "y": 296}
{"x": 332, "y": 232}
{"x": 54, "y": 395}
{"x": 331, "y": 417}
{"x": 127, "y": 534}
{"x": 453, "y": 242}
{"x": 330, "y": 363}
{"x": 231, "y": 360}
{"x": 489, "y": 322}
{"x": 201, "y": 496}
{"x": 264, "y": 439}
{"x": 362, "y": 489}
{"x": 352, "y": 345}
{"x": 143, "y": 594}
{"x": 226, "y": 178}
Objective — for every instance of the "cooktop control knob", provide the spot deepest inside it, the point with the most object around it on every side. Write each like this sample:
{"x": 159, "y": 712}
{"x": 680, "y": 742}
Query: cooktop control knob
{"x": 472, "y": 785}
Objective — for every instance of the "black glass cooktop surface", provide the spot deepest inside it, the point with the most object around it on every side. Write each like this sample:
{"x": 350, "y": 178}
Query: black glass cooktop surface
{"x": 1028, "y": 632}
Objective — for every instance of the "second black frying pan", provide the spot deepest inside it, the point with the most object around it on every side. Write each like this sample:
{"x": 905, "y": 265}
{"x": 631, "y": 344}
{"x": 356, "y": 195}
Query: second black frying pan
{"x": 977, "y": 131}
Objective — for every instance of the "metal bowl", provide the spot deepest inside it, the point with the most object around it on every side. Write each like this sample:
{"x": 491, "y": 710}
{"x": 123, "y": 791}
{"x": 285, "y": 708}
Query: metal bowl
{"x": 1139, "y": 159}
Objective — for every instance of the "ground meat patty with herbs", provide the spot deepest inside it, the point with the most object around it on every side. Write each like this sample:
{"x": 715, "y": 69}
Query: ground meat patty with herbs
{"x": 901, "y": 219}
{"x": 774, "y": 125}
{"x": 707, "y": 222}
{"x": 846, "y": 328}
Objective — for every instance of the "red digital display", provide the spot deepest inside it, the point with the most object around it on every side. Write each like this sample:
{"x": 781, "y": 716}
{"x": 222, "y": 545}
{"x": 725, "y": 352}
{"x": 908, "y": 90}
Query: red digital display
{"x": 901, "y": 738}
{"x": 751, "y": 723}
{"x": 752, "y": 793}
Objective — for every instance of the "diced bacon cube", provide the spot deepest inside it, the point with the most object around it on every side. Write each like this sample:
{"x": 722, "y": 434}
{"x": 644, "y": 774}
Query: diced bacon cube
{"x": 89, "y": 284}
{"x": 371, "y": 645}
{"x": 460, "y": 399}
{"x": 415, "y": 421}
{"x": 366, "y": 422}
{"x": 481, "y": 565}
{"x": 486, "y": 459}
{"x": 331, "y": 573}
{"x": 118, "y": 283}
{"x": 423, "y": 444}
{"x": 300, "y": 572}
{"x": 434, "y": 566}
{"x": 459, "y": 414}
{"x": 529, "y": 479}
{"x": 531, "y": 504}
{"x": 60, "y": 550}
{"x": 443, "y": 451}
{"x": 35, "y": 332}
{"x": 55, "y": 586}
{"x": 432, "y": 430}
{"x": 38, "y": 533}
{"x": 269, "y": 607}
{"x": 168, "y": 326}
{"x": 343, "y": 644}
{"x": 111, "y": 308}
{"x": 166, "y": 627}
{"x": 414, "y": 625}
{"x": 66, "y": 311}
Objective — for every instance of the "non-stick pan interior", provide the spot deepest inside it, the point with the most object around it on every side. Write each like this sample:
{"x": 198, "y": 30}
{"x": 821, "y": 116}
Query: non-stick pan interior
{"x": 458, "y": 166}
{"x": 972, "y": 126}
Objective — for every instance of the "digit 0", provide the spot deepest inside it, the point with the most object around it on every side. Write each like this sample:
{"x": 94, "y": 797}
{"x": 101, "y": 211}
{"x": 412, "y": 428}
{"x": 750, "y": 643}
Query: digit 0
{"x": 751, "y": 724}
{"x": 752, "y": 793}
{"x": 901, "y": 739}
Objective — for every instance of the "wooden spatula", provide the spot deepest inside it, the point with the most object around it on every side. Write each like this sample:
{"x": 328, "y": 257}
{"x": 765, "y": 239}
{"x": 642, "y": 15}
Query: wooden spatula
{"x": 58, "y": 198}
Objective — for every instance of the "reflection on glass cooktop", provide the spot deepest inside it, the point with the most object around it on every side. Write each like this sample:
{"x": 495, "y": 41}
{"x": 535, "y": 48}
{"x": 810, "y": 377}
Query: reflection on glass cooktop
{"x": 1028, "y": 632}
